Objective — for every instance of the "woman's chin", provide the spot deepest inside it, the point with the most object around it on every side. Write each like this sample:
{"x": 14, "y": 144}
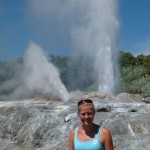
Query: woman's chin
{"x": 87, "y": 123}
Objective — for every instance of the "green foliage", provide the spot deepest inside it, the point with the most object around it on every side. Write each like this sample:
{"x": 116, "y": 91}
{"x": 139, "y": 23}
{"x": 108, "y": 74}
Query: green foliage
{"x": 135, "y": 77}
{"x": 126, "y": 59}
{"x": 144, "y": 61}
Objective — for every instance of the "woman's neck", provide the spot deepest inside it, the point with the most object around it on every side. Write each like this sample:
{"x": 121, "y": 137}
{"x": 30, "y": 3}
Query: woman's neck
{"x": 88, "y": 128}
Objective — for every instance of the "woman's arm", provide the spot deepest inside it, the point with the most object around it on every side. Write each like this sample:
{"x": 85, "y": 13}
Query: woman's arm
{"x": 71, "y": 140}
{"x": 108, "y": 144}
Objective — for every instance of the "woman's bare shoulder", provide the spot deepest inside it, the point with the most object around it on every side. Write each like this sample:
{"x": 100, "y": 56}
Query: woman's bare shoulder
{"x": 72, "y": 132}
{"x": 71, "y": 140}
{"x": 105, "y": 131}
{"x": 107, "y": 139}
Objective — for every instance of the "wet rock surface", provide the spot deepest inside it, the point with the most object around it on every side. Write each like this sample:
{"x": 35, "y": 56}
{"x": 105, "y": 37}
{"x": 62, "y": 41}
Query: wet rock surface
{"x": 44, "y": 124}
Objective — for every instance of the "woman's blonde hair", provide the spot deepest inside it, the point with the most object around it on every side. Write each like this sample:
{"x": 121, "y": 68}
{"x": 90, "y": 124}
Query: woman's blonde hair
{"x": 85, "y": 102}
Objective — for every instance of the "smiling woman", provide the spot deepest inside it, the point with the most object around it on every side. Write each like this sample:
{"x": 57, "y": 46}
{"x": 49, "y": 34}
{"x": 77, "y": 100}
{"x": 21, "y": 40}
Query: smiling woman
{"x": 89, "y": 136}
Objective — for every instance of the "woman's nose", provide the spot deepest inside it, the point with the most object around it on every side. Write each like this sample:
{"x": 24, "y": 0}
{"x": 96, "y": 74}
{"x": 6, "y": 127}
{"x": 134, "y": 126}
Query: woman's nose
{"x": 86, "y": 116}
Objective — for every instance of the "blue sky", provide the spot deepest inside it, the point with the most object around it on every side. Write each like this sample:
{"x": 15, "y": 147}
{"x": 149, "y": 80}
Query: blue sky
{"x": 18, "y": 27}
{"x": 135, "y": 26}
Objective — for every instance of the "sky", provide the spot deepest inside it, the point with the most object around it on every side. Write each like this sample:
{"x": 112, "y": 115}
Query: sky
{"x": 25, "y": 21}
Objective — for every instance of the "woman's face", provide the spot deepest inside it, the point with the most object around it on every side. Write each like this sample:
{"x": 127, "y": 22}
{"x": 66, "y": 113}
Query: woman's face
{"x": 86, "y": 114}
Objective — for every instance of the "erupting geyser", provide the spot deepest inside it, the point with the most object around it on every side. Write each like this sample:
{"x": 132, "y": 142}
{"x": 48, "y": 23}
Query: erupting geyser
{"x": 91, "y": 27}
{"x": 94, "y": 39}
{"x": 42, "y": 76}
{"x": 36, "y": 77}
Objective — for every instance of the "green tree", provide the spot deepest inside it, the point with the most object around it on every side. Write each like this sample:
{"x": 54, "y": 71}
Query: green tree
{"x": 126, "y": 59}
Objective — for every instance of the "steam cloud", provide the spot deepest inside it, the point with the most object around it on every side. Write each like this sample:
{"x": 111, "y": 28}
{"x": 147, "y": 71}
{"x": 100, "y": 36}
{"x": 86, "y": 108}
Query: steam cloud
{"x": 37, "y": 77}
{"x": 95, "y": 43}
{"x": 92, "y": 26}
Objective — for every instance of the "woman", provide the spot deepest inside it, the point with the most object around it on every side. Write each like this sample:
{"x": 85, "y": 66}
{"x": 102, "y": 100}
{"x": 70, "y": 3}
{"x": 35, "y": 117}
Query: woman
{"x": 89, "y": 136}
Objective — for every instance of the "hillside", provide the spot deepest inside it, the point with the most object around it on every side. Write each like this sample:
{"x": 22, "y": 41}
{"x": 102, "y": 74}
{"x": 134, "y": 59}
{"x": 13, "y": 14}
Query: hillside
{"x": 134, "y": 73}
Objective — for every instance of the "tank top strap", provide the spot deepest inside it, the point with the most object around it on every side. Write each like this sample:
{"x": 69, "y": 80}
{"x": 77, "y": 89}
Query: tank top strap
{"x": 98, "y": 134}
{"x": 76, "y": 133}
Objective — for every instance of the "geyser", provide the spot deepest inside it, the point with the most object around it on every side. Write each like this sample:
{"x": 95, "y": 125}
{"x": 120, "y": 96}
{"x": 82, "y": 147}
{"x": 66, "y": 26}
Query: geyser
{"x": 91, "y": 28}
{"x": 37, "y": 77}
{"x": 40, "y": 75}
{"x": 94, "y": 39}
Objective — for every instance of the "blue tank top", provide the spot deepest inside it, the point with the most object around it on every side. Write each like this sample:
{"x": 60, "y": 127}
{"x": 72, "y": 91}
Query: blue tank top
{"x": 93, "y": 144}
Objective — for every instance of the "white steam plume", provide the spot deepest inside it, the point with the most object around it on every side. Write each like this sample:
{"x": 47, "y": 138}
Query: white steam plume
{"x": 95, "y": 39}
{"x": 38, "y": 77}
{"x": 41, "y": 75}
{"x": 93, "y": 28}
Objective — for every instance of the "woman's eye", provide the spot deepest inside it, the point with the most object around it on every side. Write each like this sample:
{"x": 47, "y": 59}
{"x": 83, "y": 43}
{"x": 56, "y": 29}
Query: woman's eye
{"x": 90, "y": 113}
{"x": 83, "y": 114}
